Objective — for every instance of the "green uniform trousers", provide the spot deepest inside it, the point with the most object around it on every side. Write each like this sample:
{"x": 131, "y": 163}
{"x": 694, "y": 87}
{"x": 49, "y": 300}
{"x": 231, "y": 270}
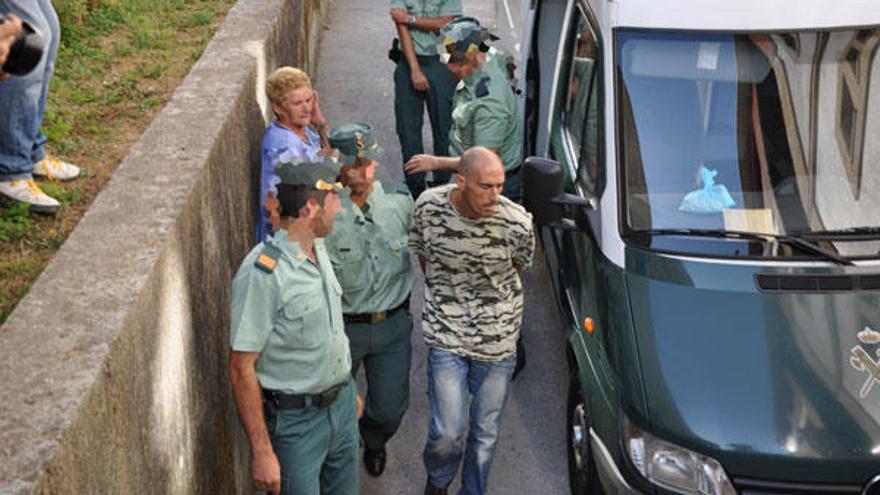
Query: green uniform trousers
{"x": 318, "y": 447}
{"x": 409, "y": 106}
{"x": 385, "y": 350}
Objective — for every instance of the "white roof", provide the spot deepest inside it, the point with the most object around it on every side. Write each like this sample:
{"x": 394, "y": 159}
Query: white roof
{"x": 744, "y": 15}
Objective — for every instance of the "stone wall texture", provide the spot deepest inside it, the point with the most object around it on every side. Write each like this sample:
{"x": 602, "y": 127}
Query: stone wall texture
{"x": 113, "y": 368}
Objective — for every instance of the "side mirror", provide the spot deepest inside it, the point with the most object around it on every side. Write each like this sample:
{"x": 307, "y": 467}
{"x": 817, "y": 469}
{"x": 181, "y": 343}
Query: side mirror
{"x": 543, "y": 194}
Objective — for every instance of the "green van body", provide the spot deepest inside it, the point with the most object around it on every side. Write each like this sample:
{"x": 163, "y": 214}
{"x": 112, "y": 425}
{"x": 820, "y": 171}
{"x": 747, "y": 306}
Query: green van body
{"x": 765, "y": 364}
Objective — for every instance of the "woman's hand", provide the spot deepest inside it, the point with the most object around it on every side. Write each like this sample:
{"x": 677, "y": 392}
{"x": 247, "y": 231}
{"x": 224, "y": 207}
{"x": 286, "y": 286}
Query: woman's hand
{"x": 318, "y": 120}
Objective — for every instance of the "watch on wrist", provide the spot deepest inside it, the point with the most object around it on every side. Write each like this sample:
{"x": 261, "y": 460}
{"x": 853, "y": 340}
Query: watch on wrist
{"x": 410, "y": 21}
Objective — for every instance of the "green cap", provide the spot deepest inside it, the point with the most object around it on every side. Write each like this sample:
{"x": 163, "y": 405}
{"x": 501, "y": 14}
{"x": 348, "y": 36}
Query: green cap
{"x": 462, "y": 35}
{"x": 314, "y": 174}
{"x": 355, "y": 140}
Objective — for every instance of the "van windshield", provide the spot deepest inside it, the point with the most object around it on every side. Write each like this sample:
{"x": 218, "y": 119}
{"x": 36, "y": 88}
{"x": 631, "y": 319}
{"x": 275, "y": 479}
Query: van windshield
{"x": 775, "y": 134}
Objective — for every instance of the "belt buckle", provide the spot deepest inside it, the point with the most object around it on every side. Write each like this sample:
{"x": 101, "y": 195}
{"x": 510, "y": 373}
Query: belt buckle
{"x": 378, "y": 317}
{"x": 327, "y": 397}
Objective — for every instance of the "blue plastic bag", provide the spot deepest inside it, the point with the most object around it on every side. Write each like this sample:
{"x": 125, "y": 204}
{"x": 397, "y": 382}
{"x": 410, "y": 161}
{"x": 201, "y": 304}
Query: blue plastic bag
{"x": 712, "y": 198}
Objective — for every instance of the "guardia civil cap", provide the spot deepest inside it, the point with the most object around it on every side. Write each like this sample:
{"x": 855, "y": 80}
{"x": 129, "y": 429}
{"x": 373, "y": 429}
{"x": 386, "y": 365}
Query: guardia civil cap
{"x": 320, "y": 175}
{"x": 355, "y": 140}
{"x": 462, "y": 35}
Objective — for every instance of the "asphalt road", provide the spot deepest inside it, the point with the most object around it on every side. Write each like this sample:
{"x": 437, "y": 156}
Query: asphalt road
{"x": 355, "y": 81}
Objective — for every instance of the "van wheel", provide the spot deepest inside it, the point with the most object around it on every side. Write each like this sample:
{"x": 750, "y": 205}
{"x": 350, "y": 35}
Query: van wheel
{"x": 582, "y": 476}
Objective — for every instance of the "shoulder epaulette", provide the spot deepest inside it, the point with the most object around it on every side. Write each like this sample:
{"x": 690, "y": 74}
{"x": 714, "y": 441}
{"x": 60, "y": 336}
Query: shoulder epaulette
{"x": 268, "y": 258}
{"x": 398, "y": 188}
{"x": 482, "y": 87}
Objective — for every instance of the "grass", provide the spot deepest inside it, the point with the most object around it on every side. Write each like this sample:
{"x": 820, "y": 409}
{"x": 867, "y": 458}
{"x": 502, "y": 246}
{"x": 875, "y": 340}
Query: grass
{"x": 118, "y": 64}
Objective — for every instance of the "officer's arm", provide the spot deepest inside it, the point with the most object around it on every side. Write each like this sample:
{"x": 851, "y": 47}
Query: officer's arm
{"x": 243, "y": 375}
{"x": 419, "y": 81}
{"x": 433, "y": 24}
{"x": 427, "y": 163}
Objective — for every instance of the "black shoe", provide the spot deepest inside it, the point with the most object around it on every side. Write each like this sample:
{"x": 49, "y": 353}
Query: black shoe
{"x": 433, "y": 490}
{"x": 520, "y": 358}
{"x": 374, "y": 461}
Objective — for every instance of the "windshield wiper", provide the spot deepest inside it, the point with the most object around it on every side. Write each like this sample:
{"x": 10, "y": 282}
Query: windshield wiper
{"x": 849, "y": 234}
{"x": 792, "y": 239}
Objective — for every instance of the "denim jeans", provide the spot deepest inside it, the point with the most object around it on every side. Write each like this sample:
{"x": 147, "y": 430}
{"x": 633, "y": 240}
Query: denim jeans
{"x": 450, "y": 378}
{"x": 23, "y": 99}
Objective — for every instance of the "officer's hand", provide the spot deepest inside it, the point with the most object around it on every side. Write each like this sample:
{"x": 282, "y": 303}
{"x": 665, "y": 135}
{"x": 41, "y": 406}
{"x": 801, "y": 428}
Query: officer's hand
{"x": 399, "y": 16}
{"x": 360, "y": 405}
{"x": 8, "y": 30}
{"x": 419, "y": 81}
{"x": 420, "y": 163}
{"x": 267, "y": 473}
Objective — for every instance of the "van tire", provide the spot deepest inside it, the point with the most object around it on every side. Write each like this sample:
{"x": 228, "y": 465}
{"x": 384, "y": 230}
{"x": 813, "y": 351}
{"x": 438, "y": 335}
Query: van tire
{"x": 582, "y": 476}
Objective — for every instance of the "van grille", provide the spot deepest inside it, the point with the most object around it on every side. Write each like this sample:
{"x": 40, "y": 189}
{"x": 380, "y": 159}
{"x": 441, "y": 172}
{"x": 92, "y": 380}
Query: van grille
{"x": 748, "y": 486}
{"x": 817, "y": 283}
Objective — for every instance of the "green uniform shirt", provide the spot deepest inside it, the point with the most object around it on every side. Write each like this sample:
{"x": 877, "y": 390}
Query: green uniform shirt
{"x": 368, "y": 250}
{"x": 291, "y": 313}
{"x": 426, "y": 42}
{"x": 484, "y": 112}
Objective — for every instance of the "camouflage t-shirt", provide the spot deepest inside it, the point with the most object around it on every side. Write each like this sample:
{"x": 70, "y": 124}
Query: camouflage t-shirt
{"x": 473, "y": 292}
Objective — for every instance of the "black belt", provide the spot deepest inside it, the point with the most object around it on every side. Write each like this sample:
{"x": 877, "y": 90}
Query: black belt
{"x": 374, "y": 318}
{"x": 280, "y": 400}
{"x": 427, "y": 58}
{"x": 510, "y": 173}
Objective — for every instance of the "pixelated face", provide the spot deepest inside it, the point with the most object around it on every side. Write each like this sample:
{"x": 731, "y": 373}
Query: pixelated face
{"x": 322, "y": 222}
{"x": 459, "y": 70}
{"x": 481, "y": 189}
{"x": 359, "y": 176}
{"x": 296, "y": 108}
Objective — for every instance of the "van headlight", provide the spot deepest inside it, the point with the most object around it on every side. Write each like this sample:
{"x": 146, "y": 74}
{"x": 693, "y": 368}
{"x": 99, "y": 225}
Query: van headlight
{"x": 672, "y": 467}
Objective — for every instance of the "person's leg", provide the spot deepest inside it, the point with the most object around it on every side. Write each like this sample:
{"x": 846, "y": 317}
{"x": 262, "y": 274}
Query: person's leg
{"x": 439, "y": 103}
{"x": 53, "y": 38}
{"x": 513, "y": 186}
{"x": 387, "y": 369}
{"x": 339, "y": 474}
{"x": 299, "y": 439}
{"x": 409, "y": 114}
{"x": 447, "y": 396}
{"x": 488, "y": 384}
{"x": 22, "y": 101}
{"x": 358, "y": 344}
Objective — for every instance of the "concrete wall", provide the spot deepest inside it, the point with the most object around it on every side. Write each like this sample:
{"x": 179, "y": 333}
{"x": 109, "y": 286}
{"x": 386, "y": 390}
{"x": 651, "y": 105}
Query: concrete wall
{"x": 113, "y": 368}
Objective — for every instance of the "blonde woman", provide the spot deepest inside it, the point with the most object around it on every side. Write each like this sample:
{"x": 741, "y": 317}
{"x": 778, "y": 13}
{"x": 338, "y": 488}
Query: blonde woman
{"x": 298, "y": 131}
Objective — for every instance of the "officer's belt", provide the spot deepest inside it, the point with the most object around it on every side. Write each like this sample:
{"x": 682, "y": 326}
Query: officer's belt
{"x": 374, "y": 318}
{"x": 280, "y": 400}
{"x": 427, "y": 58}
{"x": 510, "y": 173}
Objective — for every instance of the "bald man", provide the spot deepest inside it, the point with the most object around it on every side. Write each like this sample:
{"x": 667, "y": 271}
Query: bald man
{"x": 472, "y": 244}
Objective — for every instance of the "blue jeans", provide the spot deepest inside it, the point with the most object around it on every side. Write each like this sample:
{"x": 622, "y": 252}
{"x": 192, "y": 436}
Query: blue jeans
{"x": 450, "y": 378}
{"x": 23, "y": 99}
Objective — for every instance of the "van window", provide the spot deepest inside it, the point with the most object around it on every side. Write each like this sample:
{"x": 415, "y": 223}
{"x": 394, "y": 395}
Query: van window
{"x": 580, "y": 116}
{"x": 762, "y": 133}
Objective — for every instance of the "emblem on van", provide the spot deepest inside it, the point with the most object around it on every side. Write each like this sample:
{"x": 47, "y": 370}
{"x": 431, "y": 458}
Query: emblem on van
{"x": 861, "y": 359}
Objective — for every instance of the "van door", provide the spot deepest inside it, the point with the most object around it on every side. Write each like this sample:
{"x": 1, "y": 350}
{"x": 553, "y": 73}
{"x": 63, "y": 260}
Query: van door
{"x": 576, "y": 144}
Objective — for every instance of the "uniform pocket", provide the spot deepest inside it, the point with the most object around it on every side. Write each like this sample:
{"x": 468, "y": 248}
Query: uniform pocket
{"x": 301, "y": 324}
{"x": 398, "y": 255}
{"x": 349, "y": 265}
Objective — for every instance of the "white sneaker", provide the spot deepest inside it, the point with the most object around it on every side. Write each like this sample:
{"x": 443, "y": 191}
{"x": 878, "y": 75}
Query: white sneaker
{"x": 54, "y": 168}
{"x": 27, "y": 191}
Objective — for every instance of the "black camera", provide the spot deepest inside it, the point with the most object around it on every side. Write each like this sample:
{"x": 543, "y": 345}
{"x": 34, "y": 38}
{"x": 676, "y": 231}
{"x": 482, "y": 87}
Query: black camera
{"x": 26, "y": 52}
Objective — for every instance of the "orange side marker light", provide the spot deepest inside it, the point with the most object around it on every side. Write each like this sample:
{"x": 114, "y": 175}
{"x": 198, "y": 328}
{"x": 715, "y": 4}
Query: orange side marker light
{"x": 589, "y": 326}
